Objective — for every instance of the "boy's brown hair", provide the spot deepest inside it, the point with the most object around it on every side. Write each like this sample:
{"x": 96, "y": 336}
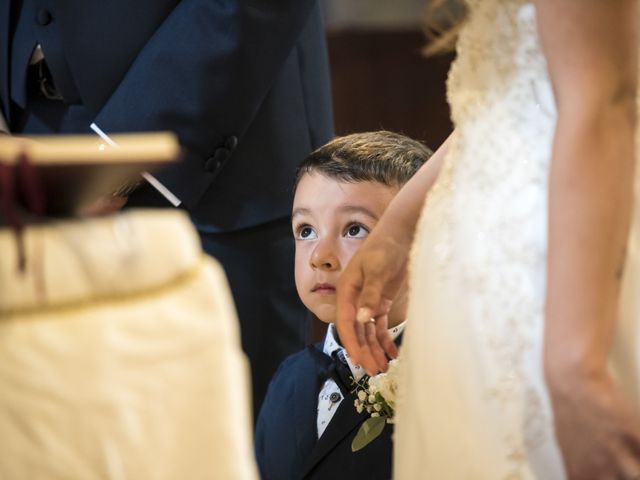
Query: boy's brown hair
{"x": 382, "y": 156}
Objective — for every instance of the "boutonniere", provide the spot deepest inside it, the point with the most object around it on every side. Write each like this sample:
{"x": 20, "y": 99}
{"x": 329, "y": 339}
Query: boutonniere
{"x": 377, "y": 397}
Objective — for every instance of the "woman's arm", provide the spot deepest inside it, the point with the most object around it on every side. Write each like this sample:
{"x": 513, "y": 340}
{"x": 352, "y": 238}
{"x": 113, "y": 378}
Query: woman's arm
{"x": 376, "y": 272}
{"x": 591, "y": 50}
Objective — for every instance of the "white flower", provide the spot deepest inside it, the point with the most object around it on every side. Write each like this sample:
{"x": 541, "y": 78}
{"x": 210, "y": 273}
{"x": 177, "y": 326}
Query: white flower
{"x": 377, "y": 396}
{"x": 387, "y": 384}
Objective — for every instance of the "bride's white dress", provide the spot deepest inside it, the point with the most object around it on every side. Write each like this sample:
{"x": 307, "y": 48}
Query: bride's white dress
{"x": 473, "y": 403}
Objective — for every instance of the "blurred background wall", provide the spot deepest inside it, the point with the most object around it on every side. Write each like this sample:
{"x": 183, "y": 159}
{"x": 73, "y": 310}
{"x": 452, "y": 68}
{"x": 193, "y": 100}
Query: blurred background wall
{"x": 380, "y": 77}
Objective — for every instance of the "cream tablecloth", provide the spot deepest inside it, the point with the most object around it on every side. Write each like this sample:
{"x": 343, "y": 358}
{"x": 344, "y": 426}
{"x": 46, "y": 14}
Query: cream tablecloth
{"x": 120, "y": 355}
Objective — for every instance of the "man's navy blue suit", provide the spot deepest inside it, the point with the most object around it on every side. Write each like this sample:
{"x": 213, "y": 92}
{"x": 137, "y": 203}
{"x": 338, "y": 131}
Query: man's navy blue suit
{"x": 245, "y": 86}
{"x": 286, "y": 440}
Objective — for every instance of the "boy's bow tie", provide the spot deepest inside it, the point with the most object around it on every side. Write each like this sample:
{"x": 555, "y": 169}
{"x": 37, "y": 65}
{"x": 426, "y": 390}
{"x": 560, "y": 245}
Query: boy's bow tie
{"x": 333, "y": 367}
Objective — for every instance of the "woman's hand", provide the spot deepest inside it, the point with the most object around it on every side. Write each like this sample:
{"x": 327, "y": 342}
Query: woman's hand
{"x": 597, "y": 431}
{"x": 590, "y": 200}
{"x": 376, "y": 273}
{"x": 102, "y": 206}
{"x": 366, "y": 291}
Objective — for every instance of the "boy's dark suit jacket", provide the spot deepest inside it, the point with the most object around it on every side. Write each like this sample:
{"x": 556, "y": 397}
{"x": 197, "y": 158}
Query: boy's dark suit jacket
{"x": 286, "y": 440}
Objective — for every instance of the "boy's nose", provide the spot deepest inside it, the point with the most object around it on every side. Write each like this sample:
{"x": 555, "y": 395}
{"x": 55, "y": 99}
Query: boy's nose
{"x": 324, "y": 258}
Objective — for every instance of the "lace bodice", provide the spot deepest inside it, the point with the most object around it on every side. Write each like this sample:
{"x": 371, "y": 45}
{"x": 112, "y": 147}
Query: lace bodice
{"x": 498, "y": 51}
{"x": 483, "y": 234}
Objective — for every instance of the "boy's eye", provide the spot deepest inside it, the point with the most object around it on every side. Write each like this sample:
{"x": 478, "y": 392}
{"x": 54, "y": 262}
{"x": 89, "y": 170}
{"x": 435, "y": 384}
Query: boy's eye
{"x": 305, "y": 233}
{"x": 357, "y": 231}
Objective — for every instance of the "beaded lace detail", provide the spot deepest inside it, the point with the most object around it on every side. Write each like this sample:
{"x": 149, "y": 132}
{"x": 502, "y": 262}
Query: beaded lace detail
{"x": 486, "y": 216}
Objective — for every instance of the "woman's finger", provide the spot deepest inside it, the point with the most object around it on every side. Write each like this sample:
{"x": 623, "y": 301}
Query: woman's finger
{"x": 632, "y": 440}
{"x": 372, "y": 303}
{"x": 378, "y": 358}
{"x": 351, "y": 334}
{"x": 629, "y": 468}
{"x": 384, "y": 338}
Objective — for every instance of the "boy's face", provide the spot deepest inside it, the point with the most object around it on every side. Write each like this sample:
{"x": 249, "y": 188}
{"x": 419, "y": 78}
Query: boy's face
{"x": 330, "y": 220}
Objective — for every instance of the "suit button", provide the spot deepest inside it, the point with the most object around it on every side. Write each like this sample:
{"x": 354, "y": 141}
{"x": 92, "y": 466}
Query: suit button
{"x": 335, "y": 397}
{"x": 218, "y": 159}
{"x": 43, "y": 17}
{"x": 231, "y": 143}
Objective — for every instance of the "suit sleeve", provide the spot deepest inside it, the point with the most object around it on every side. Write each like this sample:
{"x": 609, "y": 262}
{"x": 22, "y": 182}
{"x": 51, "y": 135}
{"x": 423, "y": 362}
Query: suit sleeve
{"x": 203, "y": 74}
{"x": 265, "y": 423}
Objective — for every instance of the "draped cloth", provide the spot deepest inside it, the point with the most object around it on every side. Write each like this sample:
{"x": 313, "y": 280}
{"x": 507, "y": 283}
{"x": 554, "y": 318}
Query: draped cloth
{"x": 120, "y": 354}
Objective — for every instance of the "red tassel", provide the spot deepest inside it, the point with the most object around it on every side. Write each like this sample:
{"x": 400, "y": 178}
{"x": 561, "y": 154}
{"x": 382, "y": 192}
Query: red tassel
{"x": 8, "y": 209}
{"x": 31, "y": 186}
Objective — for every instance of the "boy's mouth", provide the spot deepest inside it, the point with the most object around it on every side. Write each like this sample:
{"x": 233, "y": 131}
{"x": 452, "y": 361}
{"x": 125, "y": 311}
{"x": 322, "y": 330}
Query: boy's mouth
{"x": 323, "y": 289}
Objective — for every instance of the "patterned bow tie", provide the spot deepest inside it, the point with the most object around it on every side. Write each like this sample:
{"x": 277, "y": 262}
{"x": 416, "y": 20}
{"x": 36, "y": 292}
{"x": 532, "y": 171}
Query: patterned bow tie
{"x": 333, "y": 367}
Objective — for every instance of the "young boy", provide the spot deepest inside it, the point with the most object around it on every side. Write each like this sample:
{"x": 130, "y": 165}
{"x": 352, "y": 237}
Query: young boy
{"x": 308, "y": 419}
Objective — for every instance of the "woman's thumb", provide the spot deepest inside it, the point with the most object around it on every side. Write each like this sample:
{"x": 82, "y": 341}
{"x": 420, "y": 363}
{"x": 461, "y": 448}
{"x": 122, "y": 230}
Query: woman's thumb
{"x": 372, "y": 304}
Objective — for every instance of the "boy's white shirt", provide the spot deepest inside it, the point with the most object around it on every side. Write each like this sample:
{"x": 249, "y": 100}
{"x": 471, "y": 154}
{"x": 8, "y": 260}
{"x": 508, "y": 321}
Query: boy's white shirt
{"x": 327, "y": 408}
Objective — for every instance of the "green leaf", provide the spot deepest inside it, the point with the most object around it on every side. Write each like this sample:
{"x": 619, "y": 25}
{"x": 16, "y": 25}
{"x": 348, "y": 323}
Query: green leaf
{"x": 369, "y": 431}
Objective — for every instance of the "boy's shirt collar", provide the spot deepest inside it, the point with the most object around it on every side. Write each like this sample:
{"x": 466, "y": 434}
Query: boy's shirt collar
{"x": 332, "y": 343}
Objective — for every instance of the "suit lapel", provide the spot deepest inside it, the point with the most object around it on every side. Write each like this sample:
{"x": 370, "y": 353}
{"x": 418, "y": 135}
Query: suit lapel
{"x": 5, "y": 16}
{"x": 344, "y": 422}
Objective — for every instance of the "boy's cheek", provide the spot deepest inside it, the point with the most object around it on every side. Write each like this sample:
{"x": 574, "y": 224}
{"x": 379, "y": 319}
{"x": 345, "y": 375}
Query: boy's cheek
{"x": 302, "y": 279}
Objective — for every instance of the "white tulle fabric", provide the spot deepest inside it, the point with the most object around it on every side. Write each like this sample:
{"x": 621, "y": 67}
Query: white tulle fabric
{"x": 474, "y": 402}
